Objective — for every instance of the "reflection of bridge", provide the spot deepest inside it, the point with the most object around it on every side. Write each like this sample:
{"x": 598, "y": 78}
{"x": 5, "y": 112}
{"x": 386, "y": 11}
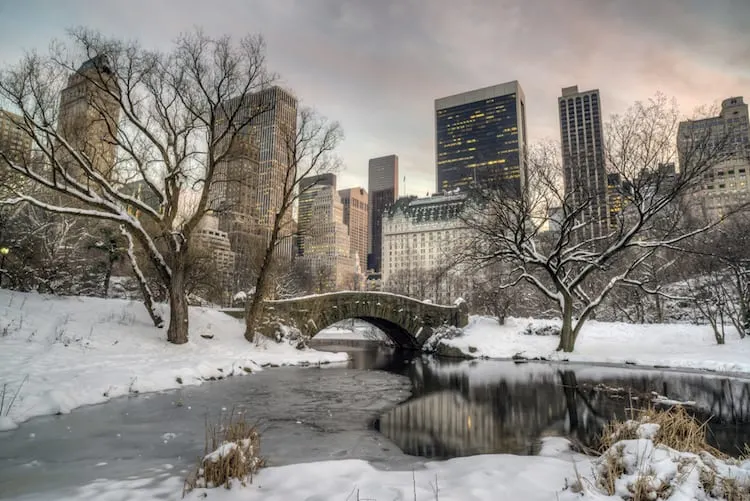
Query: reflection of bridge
{"x": 408, "y": 322}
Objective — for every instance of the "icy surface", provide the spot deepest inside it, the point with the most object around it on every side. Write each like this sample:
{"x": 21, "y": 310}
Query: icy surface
{"x": 303, "y": 415}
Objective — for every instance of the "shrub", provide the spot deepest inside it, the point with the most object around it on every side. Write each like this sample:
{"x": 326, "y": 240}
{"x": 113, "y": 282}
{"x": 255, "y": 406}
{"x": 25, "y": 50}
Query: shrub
{"x": 231, "y": 453}
{"x": 677, "y": 429}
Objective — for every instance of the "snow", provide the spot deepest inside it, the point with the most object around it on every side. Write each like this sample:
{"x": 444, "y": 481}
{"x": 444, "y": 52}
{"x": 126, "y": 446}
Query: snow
{"x": 664, "y": 472}
{"x": 371, "y": 293}
{"x": 60, "y": 353}
{"x": 662, "y": 345}
{"x": 487, "y": 477}
{"x": 223, "y": 451}
{"x": 7, "y": 423}
{"x": 647, "y": 430}
{"x": 556, "y": 473}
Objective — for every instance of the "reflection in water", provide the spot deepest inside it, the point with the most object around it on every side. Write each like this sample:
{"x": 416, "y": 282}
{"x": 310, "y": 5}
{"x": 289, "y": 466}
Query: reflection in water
{"x": 460, "y": 409}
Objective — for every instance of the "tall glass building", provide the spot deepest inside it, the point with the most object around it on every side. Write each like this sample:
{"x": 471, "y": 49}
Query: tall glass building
{"x": 480, "y": 138}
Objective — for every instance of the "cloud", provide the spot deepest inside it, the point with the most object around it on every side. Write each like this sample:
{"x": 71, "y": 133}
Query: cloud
{"x": 378, "y": 66}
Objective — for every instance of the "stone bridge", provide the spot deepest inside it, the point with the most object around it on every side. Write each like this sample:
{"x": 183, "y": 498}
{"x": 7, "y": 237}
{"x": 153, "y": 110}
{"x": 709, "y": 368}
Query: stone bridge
{"x": 408, "y": 322}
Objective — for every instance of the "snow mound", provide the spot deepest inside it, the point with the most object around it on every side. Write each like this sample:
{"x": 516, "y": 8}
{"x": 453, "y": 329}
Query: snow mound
{"x": 641, "y": 469}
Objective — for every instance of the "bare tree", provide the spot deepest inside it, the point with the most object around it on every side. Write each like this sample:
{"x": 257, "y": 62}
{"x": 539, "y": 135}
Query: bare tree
{"x": 308, "y": 150}
{"x": 575, "y": 267}
{"x": 172, "y": 117}
{"x": 714, "y": 301}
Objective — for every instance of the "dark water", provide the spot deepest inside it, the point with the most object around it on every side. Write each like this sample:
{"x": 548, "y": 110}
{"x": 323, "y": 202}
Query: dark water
{"x": 423, "y": 408}
{"x": 484, "y": 407}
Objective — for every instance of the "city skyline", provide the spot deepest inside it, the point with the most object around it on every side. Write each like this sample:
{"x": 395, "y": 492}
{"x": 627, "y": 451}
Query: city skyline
{"x": 382, "y": 88}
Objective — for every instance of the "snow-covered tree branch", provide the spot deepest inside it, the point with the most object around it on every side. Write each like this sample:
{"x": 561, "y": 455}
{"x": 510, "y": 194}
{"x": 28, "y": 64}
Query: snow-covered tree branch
{"x": 551, "y": 238}
{"x": 105, "y": 114}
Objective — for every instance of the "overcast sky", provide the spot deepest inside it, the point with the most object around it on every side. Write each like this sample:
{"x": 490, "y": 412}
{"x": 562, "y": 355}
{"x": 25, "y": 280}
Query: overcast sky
{"x": 378, "y": 65}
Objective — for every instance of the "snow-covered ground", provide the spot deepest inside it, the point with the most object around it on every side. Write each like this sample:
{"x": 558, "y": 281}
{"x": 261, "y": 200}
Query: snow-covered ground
{"x": 664, "y": 345}
{"x": 555, "y": 474}
{"x": 488, "y": 477}
{"x": 59, "y": 353}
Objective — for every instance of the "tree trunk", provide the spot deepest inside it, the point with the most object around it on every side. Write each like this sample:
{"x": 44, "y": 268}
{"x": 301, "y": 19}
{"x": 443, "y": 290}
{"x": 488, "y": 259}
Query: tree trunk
{"x": 148, "y": 297}
{"x": 178, "y": 307}
{"x": 567, "y": 335}
{"x": 256, "y": 305}
{"x": 107, "y": 277}
{"x": 659, "y": 310}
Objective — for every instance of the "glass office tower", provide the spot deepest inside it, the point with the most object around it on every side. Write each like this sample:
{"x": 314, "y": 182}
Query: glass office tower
{"x": 481, "y": 138}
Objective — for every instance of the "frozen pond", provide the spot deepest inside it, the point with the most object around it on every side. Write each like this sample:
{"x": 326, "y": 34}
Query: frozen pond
{"x": 425, "y": 408}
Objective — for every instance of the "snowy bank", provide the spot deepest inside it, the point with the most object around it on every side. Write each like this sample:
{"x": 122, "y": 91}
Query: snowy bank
{"x": 556, "y": 474}
{"x": 488, "y": 477}
{"x": 60, "y": 353}
{"x": 660, "y": 345}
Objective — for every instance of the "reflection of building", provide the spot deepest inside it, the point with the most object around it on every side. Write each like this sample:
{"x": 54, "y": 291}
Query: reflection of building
{"x": 382, "y": 181}
{"x": 324, "y": 242}
{"x": 725, "y": 184}
{"x": 356, "y": 216}
{"x": 89, "y": 117}
{"x": 14, "y": 143}
{"x": 420, "y": 236}
{"x": 584, "y": 172}
{"x": 481, "y": 137}
{"x": 446, "y": 424}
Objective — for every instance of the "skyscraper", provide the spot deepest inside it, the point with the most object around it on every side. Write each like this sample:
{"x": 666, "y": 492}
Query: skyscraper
{"x": 480, "y": 137}
{"x": 14, "y": 143}
{"x": 584, "y": 172}
{"x": 247, "y": 188}
{"x": 725, "y": 185}
{"x": 310, "y": 187}
{"x": 88, "y": 116}
{"x": 324, "y": 246}
{"x": 382, "y": 182}
{"x": 356, "y": 216}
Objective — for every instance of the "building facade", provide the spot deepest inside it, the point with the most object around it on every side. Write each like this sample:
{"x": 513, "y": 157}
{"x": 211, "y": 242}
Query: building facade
{"x": 324, "y": 244}
{"x": 420, "y": 238}
{"x": 725, "y": 184}
{"x": 382, "y": 181}
{"x": 88, "y": 117}
{"x": 248, "y": 186}
{"x": 480, "y": 138}
{"x": 14, "y": 142}
{"x": 584, "y": 170}
{"x": 356, "y": 216}
{"x": 310, "y": 187}
{"x": 209, "y": 240}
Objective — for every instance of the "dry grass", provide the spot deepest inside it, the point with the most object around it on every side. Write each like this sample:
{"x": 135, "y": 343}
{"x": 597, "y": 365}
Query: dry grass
{"x": 231, "y": 453}
{"x": 611, "y": 470}
{"x": 677, "y": 430}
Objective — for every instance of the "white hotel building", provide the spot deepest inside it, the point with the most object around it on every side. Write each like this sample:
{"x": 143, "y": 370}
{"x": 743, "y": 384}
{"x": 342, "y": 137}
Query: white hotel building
{"x": 420, "y": 239}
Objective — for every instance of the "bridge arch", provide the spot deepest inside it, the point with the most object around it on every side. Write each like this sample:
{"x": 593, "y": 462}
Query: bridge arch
{"x": 407, "y": 321}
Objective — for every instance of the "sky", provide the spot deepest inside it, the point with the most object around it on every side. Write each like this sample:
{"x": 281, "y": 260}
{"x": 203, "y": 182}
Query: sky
{"x": 377, "y": 66}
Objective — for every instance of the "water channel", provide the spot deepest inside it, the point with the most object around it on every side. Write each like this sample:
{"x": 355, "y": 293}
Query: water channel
{"x": 386, "y": 407}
